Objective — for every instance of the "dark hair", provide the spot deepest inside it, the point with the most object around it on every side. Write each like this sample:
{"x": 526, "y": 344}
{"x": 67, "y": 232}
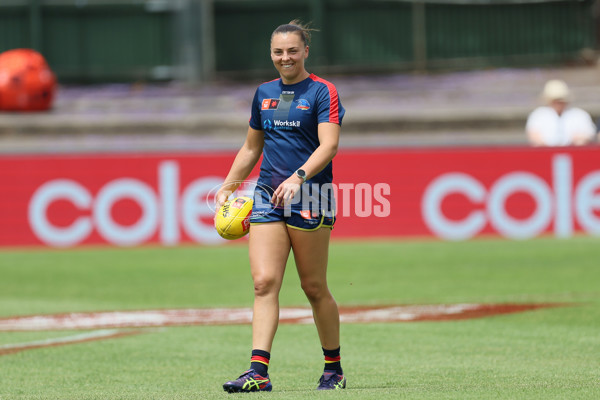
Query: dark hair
{"x": 295, "y": 26}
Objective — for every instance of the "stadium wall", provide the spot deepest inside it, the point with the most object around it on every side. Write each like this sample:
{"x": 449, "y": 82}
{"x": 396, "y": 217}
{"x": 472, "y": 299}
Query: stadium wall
{"x": 136, "y": 40}
{"x": 164, "y": 199}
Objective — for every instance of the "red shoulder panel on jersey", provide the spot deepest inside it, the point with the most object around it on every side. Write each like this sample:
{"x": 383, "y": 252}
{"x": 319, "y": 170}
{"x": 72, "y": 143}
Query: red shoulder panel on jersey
{"x": 334, "y": 115}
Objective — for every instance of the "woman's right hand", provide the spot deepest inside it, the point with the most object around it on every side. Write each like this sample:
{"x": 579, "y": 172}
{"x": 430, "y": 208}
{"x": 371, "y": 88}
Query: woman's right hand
{"x": 221, "y": 197}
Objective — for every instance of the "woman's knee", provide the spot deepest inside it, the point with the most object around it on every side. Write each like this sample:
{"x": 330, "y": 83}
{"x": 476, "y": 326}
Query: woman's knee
{"x": 314, "y": 290}
{"x": 265, "y": 284}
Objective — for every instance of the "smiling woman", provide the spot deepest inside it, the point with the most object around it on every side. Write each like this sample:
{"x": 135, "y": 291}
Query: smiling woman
{"x": 289, "y": 49}
{"x": 295, "y": 125}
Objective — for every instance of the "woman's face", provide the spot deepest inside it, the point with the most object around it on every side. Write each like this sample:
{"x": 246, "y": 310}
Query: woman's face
{"x": 288, "y": 53}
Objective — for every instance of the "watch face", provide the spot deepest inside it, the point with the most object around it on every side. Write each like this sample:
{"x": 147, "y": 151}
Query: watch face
{"x": 300, "y": 173}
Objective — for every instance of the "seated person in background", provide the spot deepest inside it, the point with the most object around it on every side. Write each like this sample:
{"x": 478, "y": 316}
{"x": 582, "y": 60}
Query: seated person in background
{"x": 557, "y": 124}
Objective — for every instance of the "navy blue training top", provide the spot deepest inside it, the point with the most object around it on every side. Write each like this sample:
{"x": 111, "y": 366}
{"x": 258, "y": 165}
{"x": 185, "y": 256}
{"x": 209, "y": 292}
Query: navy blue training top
{"x": 289, "y": 115}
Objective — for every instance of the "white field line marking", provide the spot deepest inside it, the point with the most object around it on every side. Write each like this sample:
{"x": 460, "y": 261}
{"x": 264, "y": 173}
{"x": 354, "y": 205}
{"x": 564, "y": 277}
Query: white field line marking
{"x": 82, "y": 337}
{"x": 61, "y": 340}
{"x": 233, "y": 316}
{"x": 120, "y": 319}
{"x": 407, "y": 313}
{"x": 215, "y": 316}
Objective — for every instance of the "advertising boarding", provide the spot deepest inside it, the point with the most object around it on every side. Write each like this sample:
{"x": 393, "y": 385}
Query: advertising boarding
{"x": 167, "y": 199}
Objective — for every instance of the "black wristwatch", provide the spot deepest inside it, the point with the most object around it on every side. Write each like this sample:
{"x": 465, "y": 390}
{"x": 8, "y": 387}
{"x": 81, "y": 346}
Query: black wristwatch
{"x": 301, "y": 174}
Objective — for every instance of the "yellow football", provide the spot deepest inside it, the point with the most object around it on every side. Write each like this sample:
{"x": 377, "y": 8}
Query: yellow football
{"x": 233, "y": 218}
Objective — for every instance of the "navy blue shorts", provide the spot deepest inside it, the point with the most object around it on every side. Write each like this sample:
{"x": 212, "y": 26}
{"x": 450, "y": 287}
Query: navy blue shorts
{"x": 263, "y": 211}
{"x": 304, "y": 220}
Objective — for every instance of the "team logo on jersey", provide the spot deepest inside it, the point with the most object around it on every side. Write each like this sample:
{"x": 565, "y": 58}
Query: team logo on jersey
{"x": 303, "y": 104}
{"x": 270, "y": 104}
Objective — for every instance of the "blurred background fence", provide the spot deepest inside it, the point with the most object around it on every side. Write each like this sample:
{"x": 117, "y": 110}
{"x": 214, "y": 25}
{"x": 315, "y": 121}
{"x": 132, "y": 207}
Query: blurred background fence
{"x": 195, "y": 40}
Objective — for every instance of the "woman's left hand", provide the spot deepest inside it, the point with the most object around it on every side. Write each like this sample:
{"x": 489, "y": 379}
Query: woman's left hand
{"x": 286, "y": 191}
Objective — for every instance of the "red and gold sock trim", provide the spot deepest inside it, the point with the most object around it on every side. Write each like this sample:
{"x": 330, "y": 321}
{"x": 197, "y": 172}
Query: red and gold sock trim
{"x": 329, "y": 360}
{"x": 260, "y": 359}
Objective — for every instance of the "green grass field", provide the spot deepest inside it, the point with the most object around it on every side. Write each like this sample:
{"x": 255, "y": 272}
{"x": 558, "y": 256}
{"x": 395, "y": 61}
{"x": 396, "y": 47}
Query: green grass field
{"x": 547, "y": 354}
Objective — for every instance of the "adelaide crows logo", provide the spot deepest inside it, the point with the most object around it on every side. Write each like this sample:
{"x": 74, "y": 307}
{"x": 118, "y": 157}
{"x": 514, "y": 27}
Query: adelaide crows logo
{"x": 303, "y": 104}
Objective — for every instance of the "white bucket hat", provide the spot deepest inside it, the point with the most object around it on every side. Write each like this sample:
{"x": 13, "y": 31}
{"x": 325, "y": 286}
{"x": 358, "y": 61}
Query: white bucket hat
{"x": 556, "y": 89}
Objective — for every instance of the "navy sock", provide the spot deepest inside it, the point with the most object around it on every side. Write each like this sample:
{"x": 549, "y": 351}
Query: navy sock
{"x": 333, "y": 361}
{"x": 260, "y": 362}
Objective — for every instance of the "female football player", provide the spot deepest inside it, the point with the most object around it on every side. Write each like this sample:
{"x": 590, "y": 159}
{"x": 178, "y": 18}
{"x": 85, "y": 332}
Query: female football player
{"x": 295, "y": 124}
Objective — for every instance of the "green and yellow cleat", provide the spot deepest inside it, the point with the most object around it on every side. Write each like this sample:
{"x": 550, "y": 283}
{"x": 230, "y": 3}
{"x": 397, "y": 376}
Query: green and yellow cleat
{"x": 249, "y": 381}
{"x": 330, "y": 380}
